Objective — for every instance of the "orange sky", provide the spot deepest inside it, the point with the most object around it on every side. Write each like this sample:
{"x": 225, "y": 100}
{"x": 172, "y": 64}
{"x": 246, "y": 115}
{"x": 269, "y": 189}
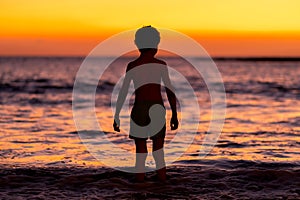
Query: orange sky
{"x": 223, "y": 28}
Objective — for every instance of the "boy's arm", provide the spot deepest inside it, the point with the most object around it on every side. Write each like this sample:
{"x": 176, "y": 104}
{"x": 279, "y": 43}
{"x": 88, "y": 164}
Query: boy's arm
{"x": 120, "y": 101}
{"x": 171, "y": 98}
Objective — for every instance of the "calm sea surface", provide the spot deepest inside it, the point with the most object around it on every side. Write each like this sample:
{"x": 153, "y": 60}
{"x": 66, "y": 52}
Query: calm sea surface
{"x": 37, "y": 129}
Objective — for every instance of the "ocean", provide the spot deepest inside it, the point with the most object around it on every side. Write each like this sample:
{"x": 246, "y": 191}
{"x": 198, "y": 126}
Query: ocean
{"x": 260, "y": 137}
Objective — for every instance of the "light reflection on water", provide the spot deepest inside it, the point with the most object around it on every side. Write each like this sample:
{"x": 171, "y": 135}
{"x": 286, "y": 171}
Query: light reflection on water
{"x": 37, "y": 128}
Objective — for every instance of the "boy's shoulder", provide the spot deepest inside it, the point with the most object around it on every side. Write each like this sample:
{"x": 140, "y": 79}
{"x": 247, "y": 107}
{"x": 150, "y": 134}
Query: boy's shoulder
{"x": 131, "y": 65}
{"x": 138, "y": 62}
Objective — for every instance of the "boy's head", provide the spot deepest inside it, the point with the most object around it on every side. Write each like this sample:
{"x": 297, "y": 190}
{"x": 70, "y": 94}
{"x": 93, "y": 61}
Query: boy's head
{"x": 147, "y": 38}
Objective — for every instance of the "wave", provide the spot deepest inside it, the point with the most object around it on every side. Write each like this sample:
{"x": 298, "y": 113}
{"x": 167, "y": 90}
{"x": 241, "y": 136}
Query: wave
{"x": 206, "y": 180}
{"x": 38, "y": 86}
{"x": 269, "y": 89}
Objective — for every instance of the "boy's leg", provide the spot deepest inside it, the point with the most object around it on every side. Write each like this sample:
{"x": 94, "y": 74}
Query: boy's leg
{"x": 158, "y": 154}
{"x": 141, "y": 155}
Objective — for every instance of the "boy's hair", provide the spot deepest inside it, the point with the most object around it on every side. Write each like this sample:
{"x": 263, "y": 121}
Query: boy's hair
{"x": 147, "y": 37}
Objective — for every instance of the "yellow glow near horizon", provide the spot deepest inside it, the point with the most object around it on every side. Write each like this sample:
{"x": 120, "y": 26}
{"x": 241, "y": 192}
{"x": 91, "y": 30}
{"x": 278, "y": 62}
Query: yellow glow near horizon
{"x": 93, "y": 19}
{"x": 85, "y": 17}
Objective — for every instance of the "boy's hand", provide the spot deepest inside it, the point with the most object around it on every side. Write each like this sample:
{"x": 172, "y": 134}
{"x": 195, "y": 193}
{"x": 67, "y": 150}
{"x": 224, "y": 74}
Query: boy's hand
{"x": 174, "y": 122}
{"x": 116, "y": 124}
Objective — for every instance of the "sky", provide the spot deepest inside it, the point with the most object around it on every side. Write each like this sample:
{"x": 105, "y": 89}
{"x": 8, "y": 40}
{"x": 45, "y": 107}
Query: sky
{"x": 222, "y": 27}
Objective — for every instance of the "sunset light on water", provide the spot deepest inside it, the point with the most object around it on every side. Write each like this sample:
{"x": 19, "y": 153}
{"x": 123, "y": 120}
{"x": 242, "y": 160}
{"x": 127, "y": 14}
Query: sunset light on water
{"x": 255, "y": 47}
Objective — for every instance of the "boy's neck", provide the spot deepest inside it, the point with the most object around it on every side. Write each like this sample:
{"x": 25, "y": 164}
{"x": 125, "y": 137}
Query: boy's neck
{"x": 148, "y": 53}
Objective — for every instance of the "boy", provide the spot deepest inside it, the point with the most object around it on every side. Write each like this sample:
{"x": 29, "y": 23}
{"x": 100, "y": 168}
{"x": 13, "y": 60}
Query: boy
{"x": 147, "y": 72}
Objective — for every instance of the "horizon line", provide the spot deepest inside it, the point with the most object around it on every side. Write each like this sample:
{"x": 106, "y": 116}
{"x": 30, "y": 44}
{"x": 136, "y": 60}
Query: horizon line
{"x": 218, "y": 58}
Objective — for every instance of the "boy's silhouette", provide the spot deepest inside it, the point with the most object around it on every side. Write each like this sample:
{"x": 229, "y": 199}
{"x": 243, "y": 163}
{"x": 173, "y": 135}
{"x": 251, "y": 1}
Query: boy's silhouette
{"x": 147, "y": 84}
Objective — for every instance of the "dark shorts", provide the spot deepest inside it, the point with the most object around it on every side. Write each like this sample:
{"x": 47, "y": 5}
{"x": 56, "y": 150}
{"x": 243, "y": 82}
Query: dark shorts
{"x": 141, "y": 125}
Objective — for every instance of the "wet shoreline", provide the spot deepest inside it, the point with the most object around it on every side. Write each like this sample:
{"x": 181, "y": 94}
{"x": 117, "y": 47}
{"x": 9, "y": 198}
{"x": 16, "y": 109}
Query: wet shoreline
{"x": 198, "y": 180}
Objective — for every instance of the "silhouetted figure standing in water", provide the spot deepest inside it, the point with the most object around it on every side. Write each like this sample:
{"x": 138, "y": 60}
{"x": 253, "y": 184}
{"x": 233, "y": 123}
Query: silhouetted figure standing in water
{"x": 147, "y": 72}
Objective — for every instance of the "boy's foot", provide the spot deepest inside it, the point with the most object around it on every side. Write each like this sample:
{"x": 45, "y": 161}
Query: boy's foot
{"x": 161, "y": 174}
{"x": 140, "y": 177}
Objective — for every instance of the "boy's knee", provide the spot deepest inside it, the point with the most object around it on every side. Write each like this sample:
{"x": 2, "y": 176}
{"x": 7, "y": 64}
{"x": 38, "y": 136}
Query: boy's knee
{"x": 141, "y": 146}
{"x": 158, "y": 144}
